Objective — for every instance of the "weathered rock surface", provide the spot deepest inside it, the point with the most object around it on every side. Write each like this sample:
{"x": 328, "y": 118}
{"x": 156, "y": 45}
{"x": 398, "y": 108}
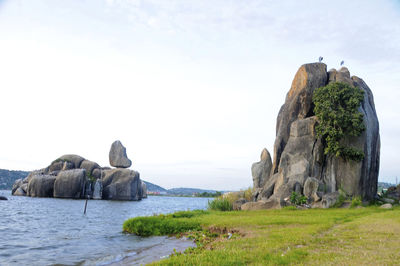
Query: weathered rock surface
{"x": 98, "y": 190}
{"x": 41, "y": 186}
{"x": 121, "y": 184}
{"x": 118, "y": 157}
{"x": 329, "y": 199}
{"x": 70, "y": 184}
{"x": 310, "y": 188}
{"x": 19, "y": 192}
{"x": 238, "y": 204}
{"x": 299, "y": 164}
{"x": 89, "y": 166}
{"x": 144, "y": 190}
{"x": 16, "y": 185}
{"x": 72, "y": 158}
{"x": 298, "y": 104}
{"x": 262, "y": 205}
{"x": 261, "y": 172}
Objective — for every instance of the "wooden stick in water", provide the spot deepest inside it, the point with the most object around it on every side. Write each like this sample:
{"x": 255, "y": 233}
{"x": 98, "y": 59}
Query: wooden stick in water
{"x": 84, "y": 212}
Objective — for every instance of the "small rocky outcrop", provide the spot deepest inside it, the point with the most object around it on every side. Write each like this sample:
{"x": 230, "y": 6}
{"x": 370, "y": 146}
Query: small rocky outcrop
{"x": 72, "y": 176}
{"x": 121, "y": 184}
{"x": 261, "y": 172}
{"x": 118, "y": 157}
{"x": 41, "y": 186}
{"x": 300, "y": 165}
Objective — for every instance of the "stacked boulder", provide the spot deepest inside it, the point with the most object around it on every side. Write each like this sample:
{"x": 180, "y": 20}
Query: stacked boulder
{"x": 299, "y": 163}
{"x": 72, "y": 176}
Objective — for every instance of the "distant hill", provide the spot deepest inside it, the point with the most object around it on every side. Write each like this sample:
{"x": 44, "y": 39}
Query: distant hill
{"x": 188, "y": 191}
{"x": 8, "y": 177}
{"x": 154, "y": 188}
{"x": 385, "y": 185}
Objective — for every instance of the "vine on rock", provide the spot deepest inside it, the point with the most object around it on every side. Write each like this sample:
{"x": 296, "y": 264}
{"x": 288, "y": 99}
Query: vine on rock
{"x": 336, "y": 106}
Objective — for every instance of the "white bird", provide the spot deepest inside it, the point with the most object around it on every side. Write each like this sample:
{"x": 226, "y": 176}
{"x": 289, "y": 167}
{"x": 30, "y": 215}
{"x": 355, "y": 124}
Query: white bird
{"x": 320, "y": 59}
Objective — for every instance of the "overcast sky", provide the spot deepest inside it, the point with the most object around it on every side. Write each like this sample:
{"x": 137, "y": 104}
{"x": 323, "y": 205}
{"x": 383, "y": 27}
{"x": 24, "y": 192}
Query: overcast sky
{"x": 191, "y": 88}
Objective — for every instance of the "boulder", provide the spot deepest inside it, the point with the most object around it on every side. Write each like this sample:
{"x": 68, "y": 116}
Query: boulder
{"x": 16, "y": 185}
{"x": 238, "y": 203}
{"x": 261, "y": 170}
{"x": 310, "y": 189}
{"x": 96, "y": 173}
{"x": 24, "y": 187}
{"x": 70, "y": 184}
{"x": 268, "y": 188}
{"x": 19, "y": 192}
{"x": 388, "y": 200}
{"x": 89, "y": 166}
{"x": 386, "y": 206}
{"x": 41, "y": 186}
{"x": 72, "y": 158}
{"x": 56, "y": 166}
{"x": 121, "y": 184}
{"x": 262, "y": 205}
{"x": 118, "y": 157}
{"x": 33, "y": 173}
{"x": 3, "y": 198}
{"x": 144, "y": 190}
{"x": 329, "y": 199}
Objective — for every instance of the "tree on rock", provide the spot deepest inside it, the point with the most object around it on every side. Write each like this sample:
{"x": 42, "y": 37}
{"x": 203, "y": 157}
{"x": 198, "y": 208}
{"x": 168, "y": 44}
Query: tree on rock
{"x": 337, "y": 108}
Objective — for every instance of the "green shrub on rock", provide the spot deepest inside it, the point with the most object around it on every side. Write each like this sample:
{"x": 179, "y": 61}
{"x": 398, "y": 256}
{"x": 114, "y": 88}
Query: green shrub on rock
{"x": 336, "y": 106}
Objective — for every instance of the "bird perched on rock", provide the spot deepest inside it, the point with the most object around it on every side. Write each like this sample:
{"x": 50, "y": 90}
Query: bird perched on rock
{"x": 342, "y": 63}
{"x": 320, "y": 59}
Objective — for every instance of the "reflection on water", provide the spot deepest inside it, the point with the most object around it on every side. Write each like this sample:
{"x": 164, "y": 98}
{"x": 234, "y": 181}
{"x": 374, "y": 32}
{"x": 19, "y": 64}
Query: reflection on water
{"x": 42, "y": 231}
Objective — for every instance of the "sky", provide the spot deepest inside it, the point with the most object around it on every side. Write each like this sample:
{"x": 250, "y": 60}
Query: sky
{"x": 191, "y": 88}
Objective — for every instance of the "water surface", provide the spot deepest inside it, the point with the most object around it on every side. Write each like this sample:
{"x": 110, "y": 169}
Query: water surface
{"x": 45, "y": 231}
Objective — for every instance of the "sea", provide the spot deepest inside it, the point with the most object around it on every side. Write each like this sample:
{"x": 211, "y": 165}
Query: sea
{"x": 50, "y": 231}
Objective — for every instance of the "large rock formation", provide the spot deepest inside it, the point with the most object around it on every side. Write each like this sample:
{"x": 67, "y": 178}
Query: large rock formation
{"x": 299, "y": 161}
{"x": 72, "y": 176}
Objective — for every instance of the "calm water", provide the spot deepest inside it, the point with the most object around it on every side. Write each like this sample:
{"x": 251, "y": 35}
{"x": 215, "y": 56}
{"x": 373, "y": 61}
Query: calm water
{"x": 45, "y": 231}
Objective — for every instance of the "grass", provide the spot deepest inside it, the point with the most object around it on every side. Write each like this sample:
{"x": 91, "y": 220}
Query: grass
{"x": 220, "y": 204}
{"x": 163, "y": 224}
{"x": 287, "y": 236}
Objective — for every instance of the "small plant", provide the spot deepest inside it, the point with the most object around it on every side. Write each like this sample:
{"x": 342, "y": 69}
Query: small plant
{"x": 220, "y": 204}
{"x": 248, "y": 194}
{"x": 90, "y": 177}
{"x": 342, "y": 197}
{"x": 356, "y": 201}
{"x": 298, "y": 199}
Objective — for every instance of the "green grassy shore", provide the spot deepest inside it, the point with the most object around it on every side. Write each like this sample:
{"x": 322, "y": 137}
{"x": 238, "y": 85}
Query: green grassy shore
{"x": 316, "y": 236}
